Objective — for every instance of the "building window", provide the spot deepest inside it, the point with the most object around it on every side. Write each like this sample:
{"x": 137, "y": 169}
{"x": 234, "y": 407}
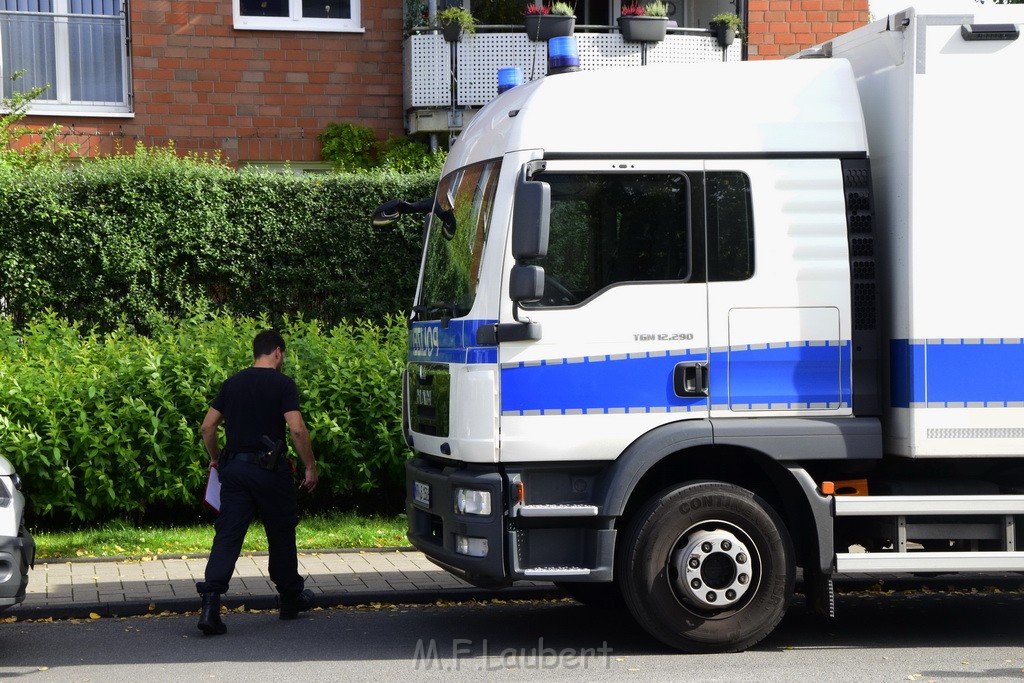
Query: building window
{"x": 77, "y": 48}
{"x": 298, "y": 15}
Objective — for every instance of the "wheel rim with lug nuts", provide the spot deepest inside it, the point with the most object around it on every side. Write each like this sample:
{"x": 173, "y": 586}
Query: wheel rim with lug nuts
{"x": 714, "y": 569}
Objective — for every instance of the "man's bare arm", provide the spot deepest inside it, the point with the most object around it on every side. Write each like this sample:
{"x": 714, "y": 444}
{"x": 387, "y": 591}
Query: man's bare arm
{"x": 300, "y": 437}
{"x": 209, "y": 431}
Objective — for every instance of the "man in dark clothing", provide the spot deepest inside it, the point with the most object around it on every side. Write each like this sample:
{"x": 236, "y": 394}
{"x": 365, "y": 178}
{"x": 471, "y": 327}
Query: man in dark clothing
{"x": 255, "y": 405}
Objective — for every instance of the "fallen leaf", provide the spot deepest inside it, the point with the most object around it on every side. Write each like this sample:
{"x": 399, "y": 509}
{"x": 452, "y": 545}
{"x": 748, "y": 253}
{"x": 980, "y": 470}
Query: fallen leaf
{"x": 93, "y": 615}
{"x": 152, "y": 606}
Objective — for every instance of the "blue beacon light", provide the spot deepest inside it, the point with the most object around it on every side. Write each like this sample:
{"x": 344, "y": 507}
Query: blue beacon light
{"x": 563, "y": 55}
{"x": 509, "y": 78}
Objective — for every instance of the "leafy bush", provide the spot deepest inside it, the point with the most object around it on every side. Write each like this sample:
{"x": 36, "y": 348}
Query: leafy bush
{"x": 21, "y": 146}
{"x": 354, "y": 148}
{"x": 135, "y": 238}
{"x": 106, "y": 425}
{"x": 405, "y": 155}
{"x": 348, "y": 146}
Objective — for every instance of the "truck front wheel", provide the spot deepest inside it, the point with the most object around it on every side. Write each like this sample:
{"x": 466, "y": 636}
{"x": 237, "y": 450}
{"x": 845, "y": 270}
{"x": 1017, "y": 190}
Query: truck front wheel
{"x": 707, "y": 567}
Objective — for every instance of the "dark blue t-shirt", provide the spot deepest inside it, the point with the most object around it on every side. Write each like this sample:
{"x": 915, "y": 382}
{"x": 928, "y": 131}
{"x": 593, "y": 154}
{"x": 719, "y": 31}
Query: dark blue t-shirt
{"x": 253, "y": 402}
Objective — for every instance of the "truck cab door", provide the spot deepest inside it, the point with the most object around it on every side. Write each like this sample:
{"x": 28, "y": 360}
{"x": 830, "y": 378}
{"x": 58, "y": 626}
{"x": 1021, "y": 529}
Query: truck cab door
{"x": 623, "y": 344}
{"x": 778, "y": 288}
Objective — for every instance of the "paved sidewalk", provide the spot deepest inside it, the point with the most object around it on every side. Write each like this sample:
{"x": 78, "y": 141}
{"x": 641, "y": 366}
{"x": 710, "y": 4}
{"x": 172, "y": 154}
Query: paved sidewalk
{"x": 77, "y": 588}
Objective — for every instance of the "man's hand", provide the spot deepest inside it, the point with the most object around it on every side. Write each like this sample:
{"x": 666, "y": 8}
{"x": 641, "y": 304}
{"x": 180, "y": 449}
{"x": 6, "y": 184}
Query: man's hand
{"x": 300, "y": 438}
{"x": 309, "y": 481}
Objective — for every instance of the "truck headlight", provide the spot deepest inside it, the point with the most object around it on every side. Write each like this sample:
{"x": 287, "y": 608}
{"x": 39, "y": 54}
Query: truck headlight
{"x": 468, "y": 545}
{"x": 472, "y": 502}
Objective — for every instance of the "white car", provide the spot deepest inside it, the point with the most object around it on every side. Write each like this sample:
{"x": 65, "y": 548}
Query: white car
{"x": 17, "y": 548}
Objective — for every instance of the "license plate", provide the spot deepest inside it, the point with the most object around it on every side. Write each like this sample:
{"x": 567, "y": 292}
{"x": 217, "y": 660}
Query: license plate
{"x": 421, "y": 493}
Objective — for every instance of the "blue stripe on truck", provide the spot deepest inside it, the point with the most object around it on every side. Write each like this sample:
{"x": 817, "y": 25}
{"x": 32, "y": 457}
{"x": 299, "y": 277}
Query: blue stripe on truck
{"x": 799, "y": 375}
{"x": 434, "y": 342}
{"x": 596, "y": 384}
{"x": 956, "y": 372}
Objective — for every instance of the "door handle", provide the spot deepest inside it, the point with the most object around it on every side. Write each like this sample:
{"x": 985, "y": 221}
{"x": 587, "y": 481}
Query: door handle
{"x": 690, "y": 379}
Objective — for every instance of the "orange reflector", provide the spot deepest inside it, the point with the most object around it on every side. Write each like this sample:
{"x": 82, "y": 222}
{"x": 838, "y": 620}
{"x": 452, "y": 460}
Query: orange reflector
{"x": 520, "y": 492}
{"x": 852, "y": 487}
{"x": 828, "y": 488}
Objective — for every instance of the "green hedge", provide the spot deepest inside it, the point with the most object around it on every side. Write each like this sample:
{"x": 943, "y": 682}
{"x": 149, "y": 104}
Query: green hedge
{"x": 139, "y": 237}
{"x": 107, "y": 425}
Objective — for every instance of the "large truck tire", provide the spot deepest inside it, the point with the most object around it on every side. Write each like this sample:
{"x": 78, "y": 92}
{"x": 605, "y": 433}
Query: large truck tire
{"x": 707, "y": 567}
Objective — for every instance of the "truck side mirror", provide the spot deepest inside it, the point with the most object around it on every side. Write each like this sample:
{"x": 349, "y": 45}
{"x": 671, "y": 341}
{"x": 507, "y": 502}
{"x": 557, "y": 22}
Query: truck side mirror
{"x": 387, "y": 213}
{"x": 526, "y": 284}
{"x": 530, "y": 218}
{"x": 390, "y": 211}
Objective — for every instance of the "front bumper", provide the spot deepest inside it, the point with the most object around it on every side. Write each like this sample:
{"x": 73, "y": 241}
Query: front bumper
{"x": 17, "y": 555}
{"x": 434, "y": 526}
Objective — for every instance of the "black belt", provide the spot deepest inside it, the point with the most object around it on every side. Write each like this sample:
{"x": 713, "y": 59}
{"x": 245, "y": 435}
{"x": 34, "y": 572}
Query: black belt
{"x": 245, "y": 457}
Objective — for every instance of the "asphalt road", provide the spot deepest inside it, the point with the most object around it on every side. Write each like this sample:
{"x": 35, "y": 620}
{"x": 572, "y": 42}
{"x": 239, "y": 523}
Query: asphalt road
{"x": 875, "y": 637}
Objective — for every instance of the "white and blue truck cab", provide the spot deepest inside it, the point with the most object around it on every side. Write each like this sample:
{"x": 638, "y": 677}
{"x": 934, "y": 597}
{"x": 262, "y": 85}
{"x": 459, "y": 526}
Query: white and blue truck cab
{"x": 665, "y": 349}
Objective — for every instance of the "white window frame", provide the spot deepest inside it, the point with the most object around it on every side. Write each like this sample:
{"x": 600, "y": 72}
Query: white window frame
{"x": 296, "y": 22}
{"x": 63, "y": 105}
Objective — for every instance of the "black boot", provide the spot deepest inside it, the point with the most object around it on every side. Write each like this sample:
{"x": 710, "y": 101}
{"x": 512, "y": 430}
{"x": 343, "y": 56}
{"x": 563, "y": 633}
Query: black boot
{"x": 209, "y": 618}
{"x": 290, "y": 607}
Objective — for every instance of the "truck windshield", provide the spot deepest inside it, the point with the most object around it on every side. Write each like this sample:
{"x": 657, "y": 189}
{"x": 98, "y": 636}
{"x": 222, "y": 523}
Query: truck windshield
{"x": 455, "y": 241}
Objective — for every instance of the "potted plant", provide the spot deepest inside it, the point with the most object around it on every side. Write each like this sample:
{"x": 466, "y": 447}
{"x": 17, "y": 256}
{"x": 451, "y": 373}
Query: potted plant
{"x": 726, "y": 26}
{"x": 454, "y": 21}
{"x": 544, "y": 22}
{"x": 644, "y": 23}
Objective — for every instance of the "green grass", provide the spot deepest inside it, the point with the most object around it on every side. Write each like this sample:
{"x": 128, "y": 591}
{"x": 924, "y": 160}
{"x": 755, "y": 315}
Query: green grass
{"x": 123, "y": 539}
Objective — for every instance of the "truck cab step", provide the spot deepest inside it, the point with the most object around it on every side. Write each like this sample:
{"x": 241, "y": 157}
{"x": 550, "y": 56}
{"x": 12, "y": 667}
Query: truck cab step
{"x": 555, "y": 573}
{"x": 557, "y": 511}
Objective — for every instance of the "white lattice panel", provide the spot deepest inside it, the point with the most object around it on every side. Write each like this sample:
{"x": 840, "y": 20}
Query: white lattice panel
{"x": 481, "y": 55}
{"x": 428, "y": 61}
{"x": 427, "y": 76}
{"x": 600, "y": 50}
{"x": 690, "y": 50}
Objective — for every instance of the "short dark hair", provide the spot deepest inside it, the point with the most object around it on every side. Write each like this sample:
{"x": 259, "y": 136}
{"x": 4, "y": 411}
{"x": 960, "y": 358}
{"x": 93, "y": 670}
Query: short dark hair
{"x": 265, "y": 342}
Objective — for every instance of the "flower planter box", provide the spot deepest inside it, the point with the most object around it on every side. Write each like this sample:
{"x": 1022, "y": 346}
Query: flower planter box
{"x": 452, "y": 32}
{"x": 643, "y": 29}
{"x": 724, "y": 34}
{"x": 544, "y": 27}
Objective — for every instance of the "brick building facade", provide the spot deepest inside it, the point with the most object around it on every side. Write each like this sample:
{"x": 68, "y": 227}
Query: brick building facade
{"x": 780, "y": 28}
{"x": 258, "y": 95}
{"x": 215, "y": 75}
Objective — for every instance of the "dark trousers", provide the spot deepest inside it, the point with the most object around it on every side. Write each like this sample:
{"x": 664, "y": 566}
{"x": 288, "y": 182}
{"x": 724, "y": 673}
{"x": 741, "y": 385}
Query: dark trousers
{"x": 248, "y": 489}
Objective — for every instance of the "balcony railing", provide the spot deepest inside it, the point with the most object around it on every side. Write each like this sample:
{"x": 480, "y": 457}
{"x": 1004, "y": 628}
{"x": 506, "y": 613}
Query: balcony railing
{"x": 428, "y": 73}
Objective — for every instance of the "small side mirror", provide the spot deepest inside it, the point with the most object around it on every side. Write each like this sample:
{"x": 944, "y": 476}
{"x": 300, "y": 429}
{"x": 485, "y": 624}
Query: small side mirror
{"x": 526, "y": 284}
{"x": 390, "y": 211}
{"x": 530, "y": 217}
{"x": 387, "y": 213}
